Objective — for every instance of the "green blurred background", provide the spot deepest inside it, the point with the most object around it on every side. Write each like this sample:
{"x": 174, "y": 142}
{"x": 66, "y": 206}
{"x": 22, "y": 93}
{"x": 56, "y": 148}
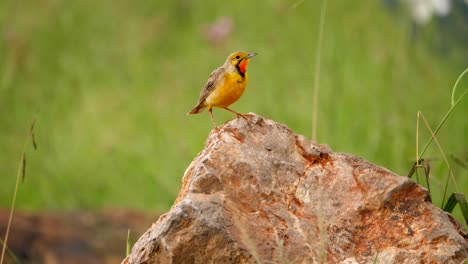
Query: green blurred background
{"x": 111, "y": 82}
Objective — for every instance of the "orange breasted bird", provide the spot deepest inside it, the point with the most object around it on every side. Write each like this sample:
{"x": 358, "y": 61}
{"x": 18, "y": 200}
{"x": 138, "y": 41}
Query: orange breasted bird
{"x": 225, "y": 85}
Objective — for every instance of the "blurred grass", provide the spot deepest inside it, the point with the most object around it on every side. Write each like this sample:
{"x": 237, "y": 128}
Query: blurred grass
{"x": 113, "y": 80}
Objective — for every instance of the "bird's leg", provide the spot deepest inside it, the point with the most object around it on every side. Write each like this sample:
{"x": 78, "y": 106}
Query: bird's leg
{"x": 210, "y": 110}
{"x": 237, "y": 113}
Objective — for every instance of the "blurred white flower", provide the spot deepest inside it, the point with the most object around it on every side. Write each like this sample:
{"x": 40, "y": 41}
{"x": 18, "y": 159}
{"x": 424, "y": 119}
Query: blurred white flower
{"x": 442, "y": 7}
{"x": 423, "y": 10}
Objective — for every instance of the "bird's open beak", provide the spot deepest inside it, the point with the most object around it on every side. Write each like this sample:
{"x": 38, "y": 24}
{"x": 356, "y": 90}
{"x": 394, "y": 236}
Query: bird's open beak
{"x": 250, "y": 55}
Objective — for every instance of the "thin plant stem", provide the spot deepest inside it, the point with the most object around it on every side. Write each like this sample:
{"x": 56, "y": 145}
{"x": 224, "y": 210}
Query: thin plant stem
{"x": 445, "y": 191}
{"x": 317, "y": 71}
{"x": 19, "y": 176}
{"x": 10, "y": 217}
{"x": 452, "y": 106}
{"x": 440, "y": 149}
{"x": 417, "y": 147}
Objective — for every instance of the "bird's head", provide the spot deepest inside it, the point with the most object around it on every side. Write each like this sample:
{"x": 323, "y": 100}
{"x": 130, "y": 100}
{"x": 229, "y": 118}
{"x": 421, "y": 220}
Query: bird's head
{"x": 240, "y": 60}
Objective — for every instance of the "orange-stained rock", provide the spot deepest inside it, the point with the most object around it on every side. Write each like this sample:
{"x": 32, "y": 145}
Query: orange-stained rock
{"x": 258, "y": 192}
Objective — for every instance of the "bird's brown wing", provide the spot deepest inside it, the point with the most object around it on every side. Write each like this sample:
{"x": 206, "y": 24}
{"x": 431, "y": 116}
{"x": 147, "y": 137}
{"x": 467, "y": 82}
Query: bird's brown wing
{"x": 213, "y": 80}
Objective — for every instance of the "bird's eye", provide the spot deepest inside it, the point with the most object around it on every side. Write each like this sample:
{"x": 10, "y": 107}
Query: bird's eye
{"x": 237, "y": 57}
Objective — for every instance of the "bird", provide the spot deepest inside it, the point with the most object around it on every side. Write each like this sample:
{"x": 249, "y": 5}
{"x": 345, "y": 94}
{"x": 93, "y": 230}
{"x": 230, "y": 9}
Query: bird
{"x": 225, "y": 85}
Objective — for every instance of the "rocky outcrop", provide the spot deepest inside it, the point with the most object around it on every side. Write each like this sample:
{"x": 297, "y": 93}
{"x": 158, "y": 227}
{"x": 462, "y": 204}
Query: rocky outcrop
{"x": 259, "y": 193}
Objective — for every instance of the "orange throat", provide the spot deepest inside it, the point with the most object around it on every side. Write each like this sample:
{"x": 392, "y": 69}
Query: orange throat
{"x": 243, "y": 65}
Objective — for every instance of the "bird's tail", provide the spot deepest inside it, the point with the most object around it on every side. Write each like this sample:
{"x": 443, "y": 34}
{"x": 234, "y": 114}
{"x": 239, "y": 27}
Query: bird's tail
{"x": 197, "y": 109}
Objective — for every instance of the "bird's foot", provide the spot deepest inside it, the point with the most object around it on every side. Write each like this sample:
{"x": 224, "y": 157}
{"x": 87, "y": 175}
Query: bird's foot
{"x": 246, "y": 117}
{"x": 242, "y": 116}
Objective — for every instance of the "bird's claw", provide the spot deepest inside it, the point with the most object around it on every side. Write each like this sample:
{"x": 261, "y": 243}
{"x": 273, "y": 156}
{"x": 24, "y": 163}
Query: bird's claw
{"x": 245, "y": 117}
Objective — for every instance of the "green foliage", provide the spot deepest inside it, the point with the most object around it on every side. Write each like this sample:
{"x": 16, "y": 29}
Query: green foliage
{"x": 112, "y": 81}
{"x": 457, "y": 198}
{"x": 424, "y": 164}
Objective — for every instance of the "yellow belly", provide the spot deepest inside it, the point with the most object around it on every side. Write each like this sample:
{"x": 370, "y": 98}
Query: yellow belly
{"x": 228, "y": 92}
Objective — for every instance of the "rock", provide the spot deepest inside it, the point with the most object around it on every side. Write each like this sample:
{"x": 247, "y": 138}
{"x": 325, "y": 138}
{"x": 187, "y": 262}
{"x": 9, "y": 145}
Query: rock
{"x": 259, "y": 193}
{"x": 71, "y": 237}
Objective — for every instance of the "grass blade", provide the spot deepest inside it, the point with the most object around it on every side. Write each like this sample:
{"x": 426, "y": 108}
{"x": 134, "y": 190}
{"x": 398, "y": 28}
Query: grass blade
{"x": 453, "y": 102}
{"x": 427, "y": 171}
{"x": 422, "y": 163}
{"x": 20, "y": 175}
{"x": 433, "y": 136}
{"x": 461, "y": 199}
{"x": 445, "y": 191}
{"x": 31, "y": 132}
{"x": 452, "y": 202}
{"x": 418, "y": 160}
{"x": 10, "y": 217}
{"x": 450, "y": 205}
{"x": 413, "y": 169}
{"x": 23, "y": 166}
{"x": 453, "y": 105}
{"x": 426, "y": 167}
{"x": 128, "y": 247}
{"x": 317, "y": 71}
